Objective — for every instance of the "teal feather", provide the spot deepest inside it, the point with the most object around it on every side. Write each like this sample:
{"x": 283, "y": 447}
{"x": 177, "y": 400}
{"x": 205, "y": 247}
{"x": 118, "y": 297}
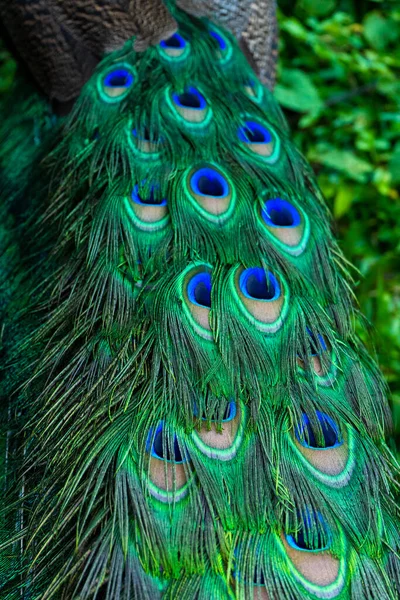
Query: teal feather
{"x": 171, "y": 348}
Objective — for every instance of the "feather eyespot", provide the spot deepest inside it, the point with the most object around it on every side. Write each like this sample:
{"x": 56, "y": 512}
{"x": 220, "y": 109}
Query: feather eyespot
{"x": 253, "y": 90}
{"x": 162, "y": 448}
{"x": 191, "y": 106}
{"x": 199, "y": 290}
{"x": 262, "y": 296}
{"x": 145, "y": 141}
{"x": 260, "y": 140}
{"x": 317, "y": 343}
{"x": 224, "y": 48}
{"x": 320, "y": 351}
{"x": 116, "y": 84}
{"x": 197, "y": 298}
{"x": 208, "y": 182}
{"x": 167, "y": 473}
{"x": 149, "y": 211}
{"x": 222, "y": 43}
{"x": 190, "y": 99}
{"x": 254, "y": 133}
{"x": 284, "y": 222}
{"x": 325, "y": 434}
{"x": 280, "y": 213}
{"x": 120, "y": 78}
{"x": 229, "y": 413}
{"x": 328, "y": 452}
{"x": 309, "y": 550}
{"x": 255, "y": 284}
{"x": 220, "y": 439}
{"x": 258, "y": 580}
{"x": 175, "y": 47}
{"x": 249, "y": 570}
{"x": 313, "y": 534}
{"x": 211, "y": 193}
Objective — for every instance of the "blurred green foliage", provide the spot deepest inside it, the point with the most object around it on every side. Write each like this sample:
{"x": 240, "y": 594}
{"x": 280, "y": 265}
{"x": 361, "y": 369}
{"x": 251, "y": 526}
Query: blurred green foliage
{"x": 339, "y": 83}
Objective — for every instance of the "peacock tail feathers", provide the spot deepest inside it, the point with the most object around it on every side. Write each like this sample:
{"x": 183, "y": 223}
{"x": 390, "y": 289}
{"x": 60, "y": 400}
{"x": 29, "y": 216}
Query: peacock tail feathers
{"x": 189, "y": 412}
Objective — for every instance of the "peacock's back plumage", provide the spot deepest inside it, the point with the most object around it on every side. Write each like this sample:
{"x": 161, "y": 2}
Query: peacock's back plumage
{"x": 189, "y": 413}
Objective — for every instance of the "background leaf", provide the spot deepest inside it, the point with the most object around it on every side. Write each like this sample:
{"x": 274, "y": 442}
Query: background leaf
{"x": 344, "y": 161}
{"x": 343, "y": 201}
{"x": 297, "y": 91}
{"x": 380, "y": 31}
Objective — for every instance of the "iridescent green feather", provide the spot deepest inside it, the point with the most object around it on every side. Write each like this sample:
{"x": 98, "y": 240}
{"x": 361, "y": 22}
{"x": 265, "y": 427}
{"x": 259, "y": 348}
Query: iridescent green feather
{"x": 198, "y": 417}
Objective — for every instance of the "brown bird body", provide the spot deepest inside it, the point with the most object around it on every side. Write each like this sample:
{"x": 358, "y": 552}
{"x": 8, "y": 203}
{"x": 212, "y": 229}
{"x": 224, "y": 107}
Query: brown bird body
{"x": 62, "y": 40}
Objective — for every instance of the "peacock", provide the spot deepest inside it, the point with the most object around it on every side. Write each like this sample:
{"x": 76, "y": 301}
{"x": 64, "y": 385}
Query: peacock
{"x": 186, "y": 410}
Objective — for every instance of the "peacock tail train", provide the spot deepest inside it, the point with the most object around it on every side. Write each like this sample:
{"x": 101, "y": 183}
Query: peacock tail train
{"x": 188, "y": 413}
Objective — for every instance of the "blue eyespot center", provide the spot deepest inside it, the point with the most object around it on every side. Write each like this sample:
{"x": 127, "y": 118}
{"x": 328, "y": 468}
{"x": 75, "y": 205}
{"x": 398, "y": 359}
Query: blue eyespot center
{"x": 144, "y": 135}
{"x": 280, "y": 213}
{"x": 175, "y": 41}
{"x": 208, "y": 182}
{"x": 258, "y": 578}
{"x": 152, "y": 198}
{"x": 164, "y": 449}
{"x": 317, "y": 343}
{"x": 254, "y": 133}
{"x": 199, "y": 290}
{"x": 255, "y": 284}
{"x": 191, "y": 98}
{"x": 120, "y": 78}
{"x": 318, "y": 436}
{"x": 230, "y": 412}
{"x": 313, "y": 535}
{"x": 221, "y": 41}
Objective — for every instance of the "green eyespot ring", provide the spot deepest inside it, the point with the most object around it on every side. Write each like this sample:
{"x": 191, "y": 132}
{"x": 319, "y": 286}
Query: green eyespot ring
{"x": 195, "y": 285}
{"x": 175, "y": 48}
{"x": 224, "y": 47}
{"x": 223, "y": 446}
{"x": 326, "y": 582}
{"x": 166, "y": 466}
{"x": 190, "y": 107}
{"x": 210, "y": 192}
{"x": 149, "y": 214}
{"x": 262, "y": 297}
{"x": 260, "y": 140}
{"x": 116, "y": 83}
{"x": 286, "y": 225}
